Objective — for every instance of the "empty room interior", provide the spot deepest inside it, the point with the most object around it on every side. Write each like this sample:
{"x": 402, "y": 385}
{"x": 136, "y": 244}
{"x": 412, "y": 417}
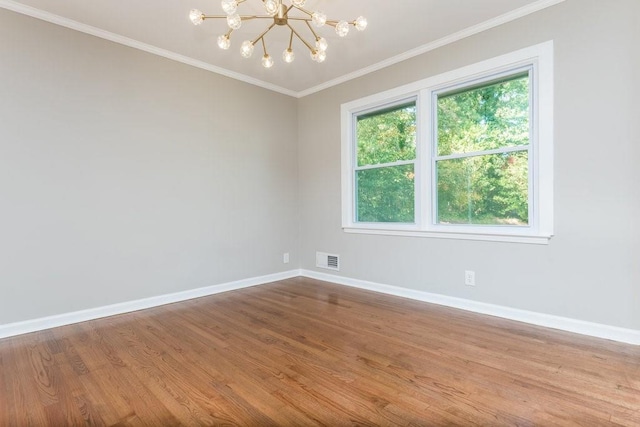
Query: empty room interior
{"x": 292, "y": 213}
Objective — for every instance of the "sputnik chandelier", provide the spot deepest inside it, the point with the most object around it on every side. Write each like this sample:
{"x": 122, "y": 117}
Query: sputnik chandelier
{"x": 281, "y": 15}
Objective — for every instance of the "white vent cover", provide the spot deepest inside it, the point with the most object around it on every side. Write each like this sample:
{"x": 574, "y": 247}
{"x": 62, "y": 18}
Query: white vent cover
{"x": 328, "y": 261}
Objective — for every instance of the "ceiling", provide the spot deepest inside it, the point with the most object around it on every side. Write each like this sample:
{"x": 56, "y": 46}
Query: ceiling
{"x": 397, "y": 29}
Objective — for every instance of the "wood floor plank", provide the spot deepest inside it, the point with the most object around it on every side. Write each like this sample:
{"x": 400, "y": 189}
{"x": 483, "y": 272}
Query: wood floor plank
{"x": 303, "y": 352}
{"x": 176, "y": 369}
{"x": 215, "y": 360}
{"x": 8, "y": 402}
{"x": 23, "y": 393}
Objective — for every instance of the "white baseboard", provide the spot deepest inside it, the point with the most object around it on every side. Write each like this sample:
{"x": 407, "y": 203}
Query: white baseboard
{"x": 629, "y": 336}
{"x": 34, "y": 325}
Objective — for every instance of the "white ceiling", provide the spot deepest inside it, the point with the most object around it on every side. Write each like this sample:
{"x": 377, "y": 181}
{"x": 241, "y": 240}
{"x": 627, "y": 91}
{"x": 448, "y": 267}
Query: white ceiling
{"x": 395, "y": 28}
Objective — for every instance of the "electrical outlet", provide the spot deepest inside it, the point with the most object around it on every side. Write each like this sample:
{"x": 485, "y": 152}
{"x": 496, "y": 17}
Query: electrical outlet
{"x": 470, "y": 278}
{"x": 285, "y": 258}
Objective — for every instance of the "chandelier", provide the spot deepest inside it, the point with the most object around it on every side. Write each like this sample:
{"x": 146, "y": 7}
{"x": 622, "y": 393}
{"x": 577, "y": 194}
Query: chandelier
{"x": 282, "y": 15}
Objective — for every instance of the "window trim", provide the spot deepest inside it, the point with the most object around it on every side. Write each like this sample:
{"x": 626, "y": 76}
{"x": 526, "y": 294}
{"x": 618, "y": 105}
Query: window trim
{"x": 540, "y": 230}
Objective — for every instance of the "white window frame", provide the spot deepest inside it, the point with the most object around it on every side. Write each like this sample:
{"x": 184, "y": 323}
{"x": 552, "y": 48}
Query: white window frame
{"x": 415, "y": 162}
{"x": 539, "y": 59}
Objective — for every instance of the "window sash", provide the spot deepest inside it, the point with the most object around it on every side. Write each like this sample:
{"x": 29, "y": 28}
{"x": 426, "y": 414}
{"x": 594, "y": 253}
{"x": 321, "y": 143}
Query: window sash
{"x": 468, "y": 85}
{"x": 357, "y": 193}
{"x": 437, "y": 220}
{"x": 387, "y": 107}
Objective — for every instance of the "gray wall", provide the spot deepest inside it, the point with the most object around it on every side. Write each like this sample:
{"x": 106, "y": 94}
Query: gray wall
{"x": 589, "y": 271}
{"x": 124, "y": 175}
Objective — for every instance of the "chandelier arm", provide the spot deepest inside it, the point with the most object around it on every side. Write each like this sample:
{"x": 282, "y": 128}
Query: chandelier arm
{"x": 264, "y": 46}
{"x": 214, "y": 17}
{"x": 302, "y": 9}
{"x": 329, "y": 21}
{"x": 301, "y": 39}
{"x": 264, "y": 33}
{"x": 306, "y": 21}
{"x": 291, "y": 40}
{"x": 250, "y": 17}
{"x": 242, "y": 17}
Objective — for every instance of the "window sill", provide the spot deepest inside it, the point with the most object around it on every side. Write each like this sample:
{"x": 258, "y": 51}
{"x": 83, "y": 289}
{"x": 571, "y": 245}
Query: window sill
{"x": 532, "y": 239}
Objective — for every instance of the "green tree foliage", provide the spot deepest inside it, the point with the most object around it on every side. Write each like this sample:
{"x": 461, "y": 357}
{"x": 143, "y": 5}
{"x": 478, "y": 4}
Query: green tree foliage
{"x": 479, "y": 188}
{"x": 386, "y": 193}
{"x": 489, "y": 188}
{"x": 486, "y": 118}
{"x": 387, "y": 136}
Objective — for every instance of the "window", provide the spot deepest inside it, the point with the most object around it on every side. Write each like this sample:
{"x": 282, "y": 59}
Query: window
{"x": 467, "y": 154}
{"x": 385, "y": 169}
{"x": 482, "y": 152}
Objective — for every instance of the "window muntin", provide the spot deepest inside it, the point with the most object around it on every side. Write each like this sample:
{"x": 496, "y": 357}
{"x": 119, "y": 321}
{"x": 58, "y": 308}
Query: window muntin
{"x": 482, "y": 173}
{"x": 385, "y": 169}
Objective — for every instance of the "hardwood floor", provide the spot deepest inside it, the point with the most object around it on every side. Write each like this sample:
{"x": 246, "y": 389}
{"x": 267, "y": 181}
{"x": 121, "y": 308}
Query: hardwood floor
{"x": 302, "y": 352}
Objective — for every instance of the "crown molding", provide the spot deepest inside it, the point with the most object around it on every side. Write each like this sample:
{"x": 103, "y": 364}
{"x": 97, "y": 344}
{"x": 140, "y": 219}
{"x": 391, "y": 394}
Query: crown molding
{"x": 116, "y": 38}
{"x": 452, "y": 38}
{"x": 97, "y": 32}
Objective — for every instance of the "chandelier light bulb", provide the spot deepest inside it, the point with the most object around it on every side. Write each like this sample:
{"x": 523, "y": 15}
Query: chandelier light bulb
{"x": 321, "y": 44}
{"x": 299, "y": 3}
{"x": 361, "y": 23}
{"x": 229, "y": 6}
{"x": 271, "y": 6}
{"x": 267, "y": 61}
{"x": 288, "y": 56}
{"x": 342, "y": 28}
{"x": 196, "y": 16}
{"x": 234, "y": 21}
{"x": 224, "y": 42}
{"x": 318, "y": 55}
{"x": 319, "y": 19}
{"x": 246, "y": 50}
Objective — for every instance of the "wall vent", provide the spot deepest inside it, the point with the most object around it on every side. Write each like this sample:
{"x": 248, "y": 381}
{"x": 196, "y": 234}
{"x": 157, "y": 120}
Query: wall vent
{"x": 328, "y": 261}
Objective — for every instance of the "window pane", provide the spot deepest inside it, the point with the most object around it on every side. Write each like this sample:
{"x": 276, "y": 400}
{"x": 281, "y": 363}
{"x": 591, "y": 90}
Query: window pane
{"x": 491, "y": 189}
{"x": 387, "y": 136}
{"x": 386, "y": 194}
{"x": 488, "y": 117}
